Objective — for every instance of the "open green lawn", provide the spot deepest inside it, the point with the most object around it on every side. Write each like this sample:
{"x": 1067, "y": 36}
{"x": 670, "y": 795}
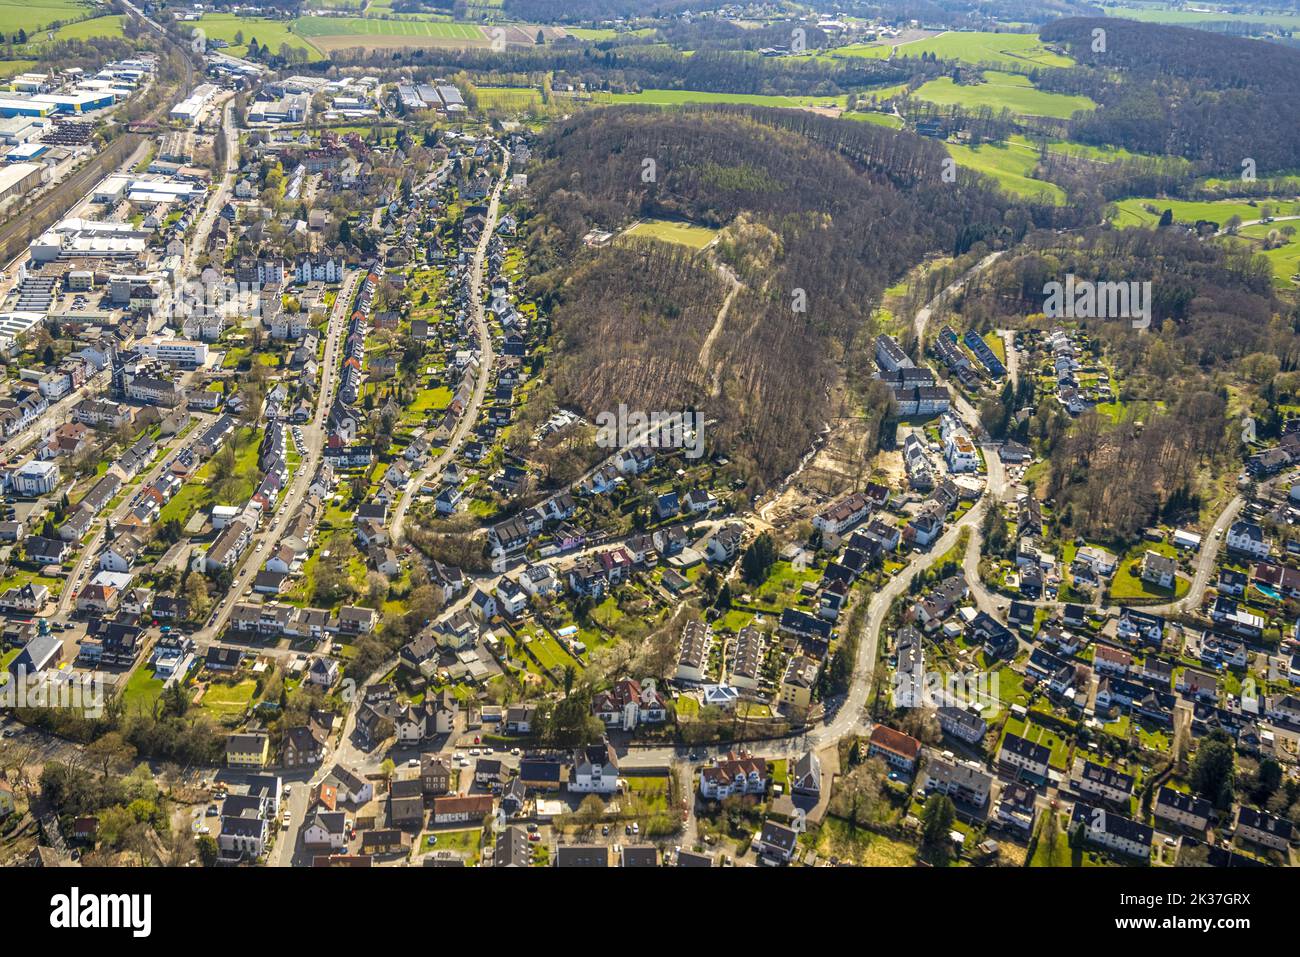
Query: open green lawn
{"x": 1004, "y": 90}
{"x": 1009, "y": 164}
{"x": 1011, "y": 51}
{"x": 1284, "y": 258}
{"x": 1128, "y": 584}
{"x": 685, "y": 234}
{"x": 1134, "y": 212}
{"x": 91, "y": 29}
{"x": 464, "y": 842}
{"x": 268, "y": 33}
{"x": 229, "y": 700}
{"x": 15, "y": 15}
{"x": 141, "y": 691}
{"x": 18, "y": 577}
{"x": 880, "y": 119}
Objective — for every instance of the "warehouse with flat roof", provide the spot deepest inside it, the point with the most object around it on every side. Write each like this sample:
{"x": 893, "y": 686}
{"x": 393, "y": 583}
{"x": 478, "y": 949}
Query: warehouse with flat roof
{"x": 18, "y": 179}
{"x": 16, "y": 106}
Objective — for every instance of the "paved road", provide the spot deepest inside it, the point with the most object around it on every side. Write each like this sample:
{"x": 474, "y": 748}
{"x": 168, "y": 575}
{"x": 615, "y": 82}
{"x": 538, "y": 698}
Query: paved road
{"x": 470, "y": 416}
{"x": 91, "y": 550}
{"x": 922, "y": 318}
{"x": 314, "y": 442}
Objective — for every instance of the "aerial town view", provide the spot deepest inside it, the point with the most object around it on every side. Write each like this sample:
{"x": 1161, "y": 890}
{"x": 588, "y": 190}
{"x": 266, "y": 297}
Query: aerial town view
{"x": 677, "y": 434}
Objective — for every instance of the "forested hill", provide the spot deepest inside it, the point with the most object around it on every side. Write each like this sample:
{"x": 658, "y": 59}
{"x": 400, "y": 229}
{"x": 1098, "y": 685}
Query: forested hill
{"x": 1172, "y": 90}
{"x": 835, "y": 209}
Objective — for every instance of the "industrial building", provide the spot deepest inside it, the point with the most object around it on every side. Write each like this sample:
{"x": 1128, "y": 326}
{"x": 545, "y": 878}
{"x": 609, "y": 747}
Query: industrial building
{"x": 19, "y": 179}
{"x": 190, "y": 110}
{"x": 22, "y": 106}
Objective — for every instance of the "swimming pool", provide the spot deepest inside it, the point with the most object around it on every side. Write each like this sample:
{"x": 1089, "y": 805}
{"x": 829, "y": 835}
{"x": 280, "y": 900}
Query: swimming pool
{"x": 1268, "y": 591}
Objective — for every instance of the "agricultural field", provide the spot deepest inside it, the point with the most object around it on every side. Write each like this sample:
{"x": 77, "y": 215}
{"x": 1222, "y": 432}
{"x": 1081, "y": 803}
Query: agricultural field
{"x": 1011, "y": 51}
{"x": 685, "y": 234}
{"x": 338, "y": 33}
{"x": 1011, "y": 165}
{"x": 363, "y": 26}
{"x": 1004, "y": 91}
{"x": 272, "y": 33}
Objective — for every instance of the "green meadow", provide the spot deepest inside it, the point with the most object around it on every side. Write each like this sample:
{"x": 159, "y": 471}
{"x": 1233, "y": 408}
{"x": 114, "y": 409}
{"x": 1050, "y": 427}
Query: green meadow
{"x": 1004, "y": 91}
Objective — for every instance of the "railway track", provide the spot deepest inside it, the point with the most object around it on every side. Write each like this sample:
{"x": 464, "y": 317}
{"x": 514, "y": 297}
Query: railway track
{"x": 28, "y": 223}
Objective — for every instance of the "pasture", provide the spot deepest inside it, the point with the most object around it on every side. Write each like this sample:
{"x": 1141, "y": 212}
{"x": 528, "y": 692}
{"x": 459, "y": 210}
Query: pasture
{"x": 1004, "y": 91}
{"x": 30, "y": 17}
{"x": 268, "y": 33}
{"x": 1009, "y": 51}
{"x": 1146, "y": 211}
{"x": 1011, "y": 165}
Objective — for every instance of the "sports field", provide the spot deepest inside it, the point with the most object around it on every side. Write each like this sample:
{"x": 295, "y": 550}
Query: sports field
{"x": 1004, "y": 91}
{"x": 684, "y": 234}
{"x": 1011, "y": 51}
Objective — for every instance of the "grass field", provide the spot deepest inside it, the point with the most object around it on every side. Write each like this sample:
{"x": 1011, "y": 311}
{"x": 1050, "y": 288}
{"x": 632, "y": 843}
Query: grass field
{"x": 10, "y": 68}
{"x": 361, "y": 26}
{"x": 229, "y": 700}
{"x": 1285, "y": 259}
{"x": 1133, "y": 212}
{"x": 685, "y": 234}
{"x": 880, "y": 119}
{"x": 1190, "y": 18}
{"x": 1004, "y": 90}
{"x": 508, "y": 97}
{"x": 677, "y": 97}
{"x": 1011, "y": 165}
{"x": 1012, "y": 51}
{"x": 268, "y": 33}
{"x": 15, "y": 16}
{"x": 1128, "y": 584}
{"x": 91, "y": 29}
